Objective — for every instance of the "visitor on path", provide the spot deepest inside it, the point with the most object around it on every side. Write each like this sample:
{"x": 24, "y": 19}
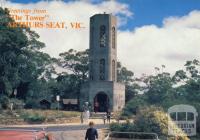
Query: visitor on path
{"x": 108, "y": 116}
{"x": 91, "y": 133}
{"x": 86, "y": 115}
{"x": 81, "y": 117}
{"x": 104, "y": 119}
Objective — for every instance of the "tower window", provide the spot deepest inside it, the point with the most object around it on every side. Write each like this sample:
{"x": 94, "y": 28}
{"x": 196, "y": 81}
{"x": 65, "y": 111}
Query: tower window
{"x": 102, "y": 69}
{"x": 102, "y": 36}
{"x": 113, "y": 37}
{"x": 113, "y": 70}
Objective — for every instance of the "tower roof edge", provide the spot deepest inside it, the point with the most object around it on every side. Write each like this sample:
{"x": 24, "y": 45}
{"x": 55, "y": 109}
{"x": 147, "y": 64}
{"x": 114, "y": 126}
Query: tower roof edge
{"x": 104, "y": 14}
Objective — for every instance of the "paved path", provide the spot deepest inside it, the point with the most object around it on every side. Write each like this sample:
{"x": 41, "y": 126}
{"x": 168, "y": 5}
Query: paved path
{"x": 72, "y": 135}
{"x": 59, "y": 128}
{"x": 70, "y": 131}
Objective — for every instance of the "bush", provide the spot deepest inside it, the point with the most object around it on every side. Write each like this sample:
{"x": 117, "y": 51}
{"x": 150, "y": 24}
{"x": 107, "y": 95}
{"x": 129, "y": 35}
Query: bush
{"x": 34, "y": 118}
{"x": 32, "y": 104}
{"x": 133, "y": 105}
{"x": 4, "y": 101}
{"x": 148, "y": 119}
{"x": 17, "y": 104}
{"x": 124, "y": 127}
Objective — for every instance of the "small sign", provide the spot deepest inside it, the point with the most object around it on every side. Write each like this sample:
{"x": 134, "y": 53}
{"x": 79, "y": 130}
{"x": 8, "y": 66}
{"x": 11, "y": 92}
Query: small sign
{"x": 58, "y": 98}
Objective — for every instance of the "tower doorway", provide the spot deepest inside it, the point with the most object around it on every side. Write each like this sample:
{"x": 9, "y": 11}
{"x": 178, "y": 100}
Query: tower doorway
{"x": 101, "y": 102}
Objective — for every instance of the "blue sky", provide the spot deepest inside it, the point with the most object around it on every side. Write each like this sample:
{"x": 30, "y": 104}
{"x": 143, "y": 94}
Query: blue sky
{"x": 153, "y": 11}
{"x": 147, "y": 12}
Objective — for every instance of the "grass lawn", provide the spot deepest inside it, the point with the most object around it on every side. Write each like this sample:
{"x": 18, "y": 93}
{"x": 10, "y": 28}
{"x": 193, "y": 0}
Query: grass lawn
{"x": 38, "y": 116}
{"x": 52, "y": 113}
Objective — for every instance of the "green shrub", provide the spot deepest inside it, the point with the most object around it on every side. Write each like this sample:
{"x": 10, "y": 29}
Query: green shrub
{"x": 17, "y": 104}
{"x": 34, "y": 118}
{"x": 148, "y": 119}
{"x": 4, "y": 101}
{"x": 32, "y": 103}
{"x": 124, "y": 127}
{"x": 133, "y": 105}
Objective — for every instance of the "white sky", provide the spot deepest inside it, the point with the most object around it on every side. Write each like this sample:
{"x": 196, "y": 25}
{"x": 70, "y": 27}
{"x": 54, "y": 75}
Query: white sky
{"x": 140, "y": 49}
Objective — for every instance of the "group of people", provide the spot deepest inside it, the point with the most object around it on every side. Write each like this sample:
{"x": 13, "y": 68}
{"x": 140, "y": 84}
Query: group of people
{"x": 107, "y": 117}
{"x": 86, "y": 115}
{"x": 91, "y": 133}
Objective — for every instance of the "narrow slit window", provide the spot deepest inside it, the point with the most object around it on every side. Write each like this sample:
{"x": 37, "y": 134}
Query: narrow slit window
{"x": 102, "y": 36}
{"x": 102, "y": 69}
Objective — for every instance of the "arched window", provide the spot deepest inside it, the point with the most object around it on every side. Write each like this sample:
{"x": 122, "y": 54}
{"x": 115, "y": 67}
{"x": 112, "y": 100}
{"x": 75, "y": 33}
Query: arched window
{"x": 102, "y": 36}
{"x": 113, "y": 70}
{"x": 102, "y": 69}
{"x": 113, "y": 37}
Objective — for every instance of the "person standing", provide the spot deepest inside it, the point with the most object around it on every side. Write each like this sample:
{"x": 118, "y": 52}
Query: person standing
{"x": 91, "y": 133}
{"x": 87, "y": 115}
{"x": 108, "y": 116}
{"x": 104, "y": 119}
{"x": 81, "y": 117}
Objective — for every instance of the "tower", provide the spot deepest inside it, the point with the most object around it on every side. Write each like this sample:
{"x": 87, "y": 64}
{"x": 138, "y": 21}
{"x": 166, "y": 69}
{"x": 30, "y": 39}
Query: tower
{"x": 103, "y": 49}
{"x": 102, "y": 91}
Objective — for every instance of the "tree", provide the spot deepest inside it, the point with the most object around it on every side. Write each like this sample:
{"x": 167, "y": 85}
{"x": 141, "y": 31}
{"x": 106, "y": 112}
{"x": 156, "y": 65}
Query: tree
{"x": 158, "y": 87}
{"x": 180, "y": 76}
{"x": 124, "y": 75}
{"x": 190, "y": 79}
{"x": 76, "y": 62}
{"x": 21, "y": 62}
{"x": 193, "y": 68}
{"x": 68, "y": 86}
{"x": 77, "y": 65}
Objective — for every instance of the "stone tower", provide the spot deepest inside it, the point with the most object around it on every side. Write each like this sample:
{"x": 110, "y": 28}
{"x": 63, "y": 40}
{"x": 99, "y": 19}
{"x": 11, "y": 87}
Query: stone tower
{"x": 102, "y": 91}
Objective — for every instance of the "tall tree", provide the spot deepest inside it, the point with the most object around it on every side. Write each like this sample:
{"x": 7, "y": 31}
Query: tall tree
{"x": 76, "y": 62}
{"x": 124, "y": 75}
{"x": 158, "y": 87}
{"x": 21, "y": 62}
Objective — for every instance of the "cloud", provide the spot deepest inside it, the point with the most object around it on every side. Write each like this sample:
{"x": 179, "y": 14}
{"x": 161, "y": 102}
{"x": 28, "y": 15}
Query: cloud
{"x": 140, "y": 49}
{"x": 192, "y": 20}
{"x": 58, "y": 41}
{"x": 172, "y": 45}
